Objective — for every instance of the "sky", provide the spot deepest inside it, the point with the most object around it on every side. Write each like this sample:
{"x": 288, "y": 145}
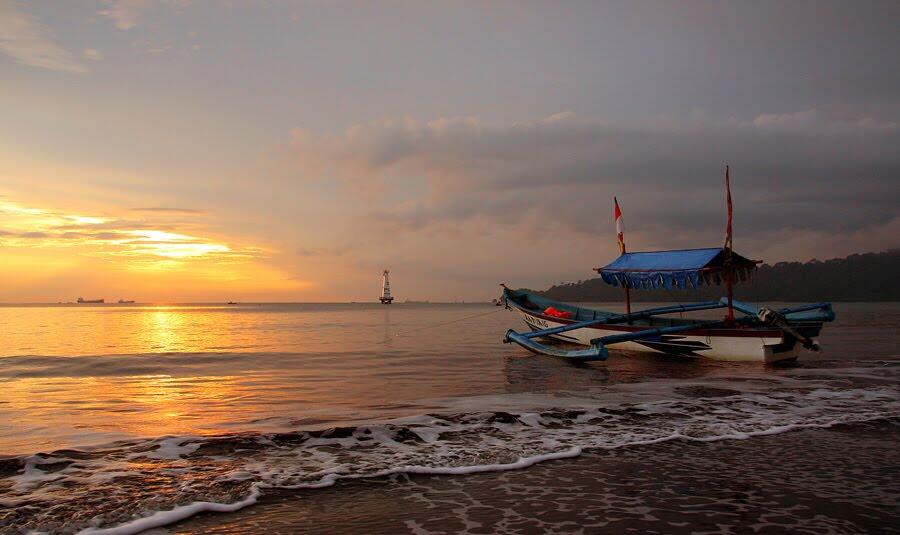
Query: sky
{"x": 184, "y": 151}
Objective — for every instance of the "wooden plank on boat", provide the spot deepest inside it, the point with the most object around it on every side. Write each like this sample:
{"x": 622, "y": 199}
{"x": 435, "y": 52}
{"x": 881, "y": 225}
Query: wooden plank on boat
{"x": 622, "y": 318}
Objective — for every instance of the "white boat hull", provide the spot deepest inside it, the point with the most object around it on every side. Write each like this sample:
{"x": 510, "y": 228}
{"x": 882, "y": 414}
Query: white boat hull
{"x": 753, "y": 345}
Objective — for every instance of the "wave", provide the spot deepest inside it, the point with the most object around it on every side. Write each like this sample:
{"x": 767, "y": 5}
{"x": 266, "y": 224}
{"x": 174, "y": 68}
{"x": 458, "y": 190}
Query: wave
{"x": 132, "y": 486}
{"x": 135, "y": 364}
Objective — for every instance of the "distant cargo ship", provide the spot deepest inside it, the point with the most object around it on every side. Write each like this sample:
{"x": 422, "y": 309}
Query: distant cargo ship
{"x": 83, "y": 300}
{"x": 123, "y": 301}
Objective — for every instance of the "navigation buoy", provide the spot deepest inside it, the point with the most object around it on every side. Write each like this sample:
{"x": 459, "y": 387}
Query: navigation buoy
{"x": 386, "y": 290}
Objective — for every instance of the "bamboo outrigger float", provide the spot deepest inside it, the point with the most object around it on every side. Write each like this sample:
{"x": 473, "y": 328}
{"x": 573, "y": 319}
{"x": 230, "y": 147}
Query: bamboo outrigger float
{"x": 763, "y": 334}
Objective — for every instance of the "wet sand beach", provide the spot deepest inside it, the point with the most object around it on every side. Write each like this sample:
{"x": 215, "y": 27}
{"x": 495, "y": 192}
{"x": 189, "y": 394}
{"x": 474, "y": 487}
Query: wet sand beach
{"x": 837, "y": 480}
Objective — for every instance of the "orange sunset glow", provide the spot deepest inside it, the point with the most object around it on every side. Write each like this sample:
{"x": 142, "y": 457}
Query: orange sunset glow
{"x": 141, "y": 254}
{"x": 177, "y": 151}
{"x": 407, "y": 267}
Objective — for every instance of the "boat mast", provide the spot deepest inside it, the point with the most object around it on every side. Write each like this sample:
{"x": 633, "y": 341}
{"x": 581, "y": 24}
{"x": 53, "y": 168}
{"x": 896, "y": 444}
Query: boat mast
{"x": 627, "y": 294}
{"x": 620, "y": 238}
{"x": 729, "y": 246}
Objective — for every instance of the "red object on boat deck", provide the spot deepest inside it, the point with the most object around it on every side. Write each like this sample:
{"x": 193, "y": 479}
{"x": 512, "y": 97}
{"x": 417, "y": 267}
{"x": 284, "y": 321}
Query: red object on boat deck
{"x": 550, "y": 311}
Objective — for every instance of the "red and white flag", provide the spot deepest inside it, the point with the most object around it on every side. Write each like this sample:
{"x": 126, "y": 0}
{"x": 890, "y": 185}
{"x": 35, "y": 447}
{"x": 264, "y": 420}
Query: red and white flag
{"x": 620, "y": 228}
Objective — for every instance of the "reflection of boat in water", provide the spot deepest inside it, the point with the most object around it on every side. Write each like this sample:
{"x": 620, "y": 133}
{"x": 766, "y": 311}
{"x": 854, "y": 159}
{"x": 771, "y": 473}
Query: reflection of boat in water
{"x": 759, "y": 334}
{"x": 82, "y": 300}
{"x": 126, "y": 301}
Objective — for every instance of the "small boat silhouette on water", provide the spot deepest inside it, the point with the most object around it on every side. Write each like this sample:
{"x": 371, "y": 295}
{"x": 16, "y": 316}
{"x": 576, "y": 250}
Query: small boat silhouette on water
{"x": 126, "y": 301}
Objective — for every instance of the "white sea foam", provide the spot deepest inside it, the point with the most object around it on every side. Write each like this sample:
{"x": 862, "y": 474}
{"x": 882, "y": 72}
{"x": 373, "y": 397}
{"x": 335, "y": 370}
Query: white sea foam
{"x": 164, "y": 518}
{"x": 228, "y": 473}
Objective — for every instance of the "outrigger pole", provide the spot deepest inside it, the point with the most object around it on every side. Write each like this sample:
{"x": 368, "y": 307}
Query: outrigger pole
{"x": 618, "y": 318}
{"x": 597, "y": 349}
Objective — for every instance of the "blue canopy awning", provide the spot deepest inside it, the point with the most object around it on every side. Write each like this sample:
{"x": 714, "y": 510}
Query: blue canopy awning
{"x": 687, "y": 268}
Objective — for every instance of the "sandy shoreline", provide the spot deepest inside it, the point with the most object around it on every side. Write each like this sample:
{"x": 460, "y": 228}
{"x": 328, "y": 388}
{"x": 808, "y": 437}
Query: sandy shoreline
{"x": 841, "y": 479}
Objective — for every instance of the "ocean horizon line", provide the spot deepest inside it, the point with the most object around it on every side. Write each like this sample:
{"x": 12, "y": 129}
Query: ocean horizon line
{"x": 239, "y": 303}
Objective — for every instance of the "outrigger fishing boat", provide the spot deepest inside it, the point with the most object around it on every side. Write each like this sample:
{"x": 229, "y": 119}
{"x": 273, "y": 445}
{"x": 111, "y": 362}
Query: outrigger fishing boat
{"x": 759, "y": 334}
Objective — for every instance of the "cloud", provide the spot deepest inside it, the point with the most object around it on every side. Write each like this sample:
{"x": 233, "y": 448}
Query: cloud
{"x": 322, "y": 252}
{"x": 167, "y": 209}
{"x": 93, "y": 54}
{"x": 34, "y": 235}
{"x": 126, "y": 14}
{"x": 142, "y": 241}
{"x": 813, "y": 170}
{"x": 158, "y": 49}
{"x": 27, "y": 41}
{"x": 823, "y": 123}
{"x": 803, "y": 244}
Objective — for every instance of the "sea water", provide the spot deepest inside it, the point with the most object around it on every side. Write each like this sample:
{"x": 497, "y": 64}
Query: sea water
{"x": 130, "y": 417}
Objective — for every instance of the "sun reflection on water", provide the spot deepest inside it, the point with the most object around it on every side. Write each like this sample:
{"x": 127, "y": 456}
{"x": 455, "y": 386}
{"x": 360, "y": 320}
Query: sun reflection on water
{"x": 75, "y": 376}
{"x": 164, "y": 329}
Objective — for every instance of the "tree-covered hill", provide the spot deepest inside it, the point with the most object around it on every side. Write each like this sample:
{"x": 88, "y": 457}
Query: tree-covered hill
{"x": 858, "y": 277}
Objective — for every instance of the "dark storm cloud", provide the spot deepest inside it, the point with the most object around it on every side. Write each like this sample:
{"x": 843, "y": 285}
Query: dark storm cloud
{"x": 806, "y": 170}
